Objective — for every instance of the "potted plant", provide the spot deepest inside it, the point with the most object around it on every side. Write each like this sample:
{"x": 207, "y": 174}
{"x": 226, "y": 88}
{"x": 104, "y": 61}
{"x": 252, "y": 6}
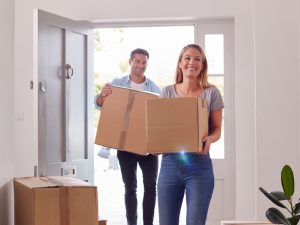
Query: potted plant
{"x": 274, "y": 215}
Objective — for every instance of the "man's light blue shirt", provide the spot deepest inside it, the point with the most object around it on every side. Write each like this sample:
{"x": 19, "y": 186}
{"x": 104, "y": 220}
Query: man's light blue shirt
{"x": 125, "y": 81}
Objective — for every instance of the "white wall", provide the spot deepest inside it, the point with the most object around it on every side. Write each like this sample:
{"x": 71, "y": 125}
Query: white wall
{"x": 6, "y": 109}
{"x": 277, "y": 93}
{"x": 266, "y": 70}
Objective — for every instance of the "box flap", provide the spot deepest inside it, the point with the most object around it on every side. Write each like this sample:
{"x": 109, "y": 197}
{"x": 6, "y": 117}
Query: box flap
{"x": 172, "y": 125}
{"x": 68, "y": 181}
{"x": 52, "y": 181}
{"x": 122, "y": 120}
{"x": 35, "y": 182}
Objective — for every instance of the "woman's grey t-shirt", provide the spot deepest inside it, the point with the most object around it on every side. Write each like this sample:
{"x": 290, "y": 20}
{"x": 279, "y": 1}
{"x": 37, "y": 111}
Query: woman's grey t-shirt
{"x": 211, "y": 94}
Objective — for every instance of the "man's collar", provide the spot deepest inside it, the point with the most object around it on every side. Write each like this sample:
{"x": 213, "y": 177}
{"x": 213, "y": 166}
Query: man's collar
{"x": 128, "y": 79}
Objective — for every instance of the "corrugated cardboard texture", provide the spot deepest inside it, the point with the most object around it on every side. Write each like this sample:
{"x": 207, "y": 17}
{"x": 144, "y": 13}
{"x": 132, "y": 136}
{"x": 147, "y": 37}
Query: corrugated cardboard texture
{"x": 176, "y": 124}
{"x": 122, "y": 121}
{"x": 42, "y": 201}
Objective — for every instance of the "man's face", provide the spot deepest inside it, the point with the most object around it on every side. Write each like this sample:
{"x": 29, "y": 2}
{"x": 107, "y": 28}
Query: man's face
{"x": 138, "y": 64}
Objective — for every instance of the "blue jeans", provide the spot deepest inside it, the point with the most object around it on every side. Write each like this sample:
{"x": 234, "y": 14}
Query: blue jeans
{"x": 180, "y": 174}
{"x": 149, "y": 166}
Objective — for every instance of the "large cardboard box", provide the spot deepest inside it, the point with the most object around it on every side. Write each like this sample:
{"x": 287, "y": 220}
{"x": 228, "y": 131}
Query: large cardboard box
{"x": 176, "y": 124}
{"x": 142, "y": 123}
{"x": 54, "y": 201}
{"x": 122, "y": 121}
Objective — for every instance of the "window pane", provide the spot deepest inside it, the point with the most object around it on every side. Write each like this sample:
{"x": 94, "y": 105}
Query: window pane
{"x": 214, "y": 49}
{"x": 218, "y": 81}
{"x": 217, "y": 148}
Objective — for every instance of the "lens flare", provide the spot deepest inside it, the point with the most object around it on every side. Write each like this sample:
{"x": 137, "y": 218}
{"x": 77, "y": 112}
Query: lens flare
{"x": 183, "y": 157}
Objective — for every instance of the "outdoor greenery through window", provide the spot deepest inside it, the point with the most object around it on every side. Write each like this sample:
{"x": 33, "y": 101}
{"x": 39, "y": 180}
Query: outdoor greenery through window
{"x": 113, "y": 46}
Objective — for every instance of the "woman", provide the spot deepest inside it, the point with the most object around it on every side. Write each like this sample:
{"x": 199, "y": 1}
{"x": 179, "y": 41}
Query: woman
{"x": 191, "y": 173}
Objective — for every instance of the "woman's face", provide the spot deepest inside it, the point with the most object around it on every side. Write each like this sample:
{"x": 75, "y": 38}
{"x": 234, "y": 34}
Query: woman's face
{"x": 191, "y": 63}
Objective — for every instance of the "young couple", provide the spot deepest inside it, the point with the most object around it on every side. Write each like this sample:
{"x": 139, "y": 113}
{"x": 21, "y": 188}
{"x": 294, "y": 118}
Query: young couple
{"x": 192, "y": 176}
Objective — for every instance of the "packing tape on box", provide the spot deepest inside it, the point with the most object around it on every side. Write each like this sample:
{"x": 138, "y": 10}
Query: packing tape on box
{"x": 64, "y": 206}
{"x": 53, "y": 181}
{"x": 64, "y": 210}
{"x": 126, "y": 119}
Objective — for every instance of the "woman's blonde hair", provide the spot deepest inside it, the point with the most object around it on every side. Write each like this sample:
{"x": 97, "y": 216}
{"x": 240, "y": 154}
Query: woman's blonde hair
{"x": 202, "y": 77}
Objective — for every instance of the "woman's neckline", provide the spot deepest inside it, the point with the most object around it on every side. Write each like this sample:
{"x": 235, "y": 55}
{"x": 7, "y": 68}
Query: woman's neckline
{"x": 178, "y": 95}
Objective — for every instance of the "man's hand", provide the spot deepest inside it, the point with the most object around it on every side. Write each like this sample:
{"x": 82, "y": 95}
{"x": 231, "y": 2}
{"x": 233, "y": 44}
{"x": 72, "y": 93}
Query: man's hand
{"x": 106, "y": 90}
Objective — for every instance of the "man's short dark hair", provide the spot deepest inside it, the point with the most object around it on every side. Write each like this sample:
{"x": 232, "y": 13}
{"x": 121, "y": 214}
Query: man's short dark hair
{"x": 139, "y": 51}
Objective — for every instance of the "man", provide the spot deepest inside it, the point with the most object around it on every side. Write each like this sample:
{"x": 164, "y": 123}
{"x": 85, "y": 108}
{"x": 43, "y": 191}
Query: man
{"x": 128, "y": 161}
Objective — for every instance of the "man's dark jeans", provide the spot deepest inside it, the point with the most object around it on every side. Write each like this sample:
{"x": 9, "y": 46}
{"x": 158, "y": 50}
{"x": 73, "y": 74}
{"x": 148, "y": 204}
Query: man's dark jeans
{"x": 149, "y": 166}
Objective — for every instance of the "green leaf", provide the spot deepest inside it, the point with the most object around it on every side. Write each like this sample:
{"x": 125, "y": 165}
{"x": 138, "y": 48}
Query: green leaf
{"x": 287, "y": 181}
{"x": 294, "y": 220}
{"x": 272, "y": 198}
{"x": 276, "y": 217}
{"x": 297, "y": 208}
{"x": 279, "y": 195}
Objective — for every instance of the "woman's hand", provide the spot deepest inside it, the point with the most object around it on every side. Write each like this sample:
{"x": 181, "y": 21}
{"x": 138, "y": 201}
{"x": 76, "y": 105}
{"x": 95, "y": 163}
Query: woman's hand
{"x": 215, "y": 123}
{"x": 206, "y": 145}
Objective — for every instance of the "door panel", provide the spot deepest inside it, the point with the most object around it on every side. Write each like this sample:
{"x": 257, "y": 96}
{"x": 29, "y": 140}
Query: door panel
{"x": 65, "y": 97}
{"x": 54, "y": 96}
{"x": 77, "y": 98}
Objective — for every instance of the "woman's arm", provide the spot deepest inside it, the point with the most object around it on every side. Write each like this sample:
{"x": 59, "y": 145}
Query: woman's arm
{"x": 215, "y": 125}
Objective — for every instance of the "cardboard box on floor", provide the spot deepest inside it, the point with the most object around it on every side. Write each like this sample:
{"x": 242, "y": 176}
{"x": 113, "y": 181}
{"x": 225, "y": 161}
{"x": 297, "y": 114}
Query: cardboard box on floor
{"x": 122, "y": 121}
{"x": 142, "y": 123}
{"x": 176, "y": 124}
{"x": 54, "y": 201}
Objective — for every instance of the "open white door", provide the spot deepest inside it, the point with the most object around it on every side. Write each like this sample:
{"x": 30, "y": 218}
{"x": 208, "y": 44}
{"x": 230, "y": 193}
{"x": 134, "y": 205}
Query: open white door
{"x": 65, "y": 97}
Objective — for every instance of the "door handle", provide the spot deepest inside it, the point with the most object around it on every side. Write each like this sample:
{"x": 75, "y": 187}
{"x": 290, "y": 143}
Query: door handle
{"x": 69, "y": 71}
{"x": 42, "y": 86}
